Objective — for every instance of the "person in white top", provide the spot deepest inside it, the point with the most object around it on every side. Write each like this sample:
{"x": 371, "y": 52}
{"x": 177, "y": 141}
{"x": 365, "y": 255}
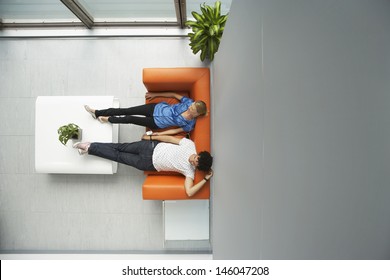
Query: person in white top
{"x": 157, "y": 153}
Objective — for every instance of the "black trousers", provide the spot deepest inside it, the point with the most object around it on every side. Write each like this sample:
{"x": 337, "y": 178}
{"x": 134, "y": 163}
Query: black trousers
{"x": 131, "y": 115}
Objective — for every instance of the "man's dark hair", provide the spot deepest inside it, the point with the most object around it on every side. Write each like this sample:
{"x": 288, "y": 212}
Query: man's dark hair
{"x": 205, "y": 161}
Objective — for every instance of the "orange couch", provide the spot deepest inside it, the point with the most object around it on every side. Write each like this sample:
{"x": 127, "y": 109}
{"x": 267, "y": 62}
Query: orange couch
{"x": 194, "y": 82}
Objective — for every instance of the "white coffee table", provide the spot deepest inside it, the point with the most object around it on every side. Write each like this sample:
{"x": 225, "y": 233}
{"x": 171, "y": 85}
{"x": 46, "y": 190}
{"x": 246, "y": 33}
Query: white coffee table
{"x": 51, "y": 156}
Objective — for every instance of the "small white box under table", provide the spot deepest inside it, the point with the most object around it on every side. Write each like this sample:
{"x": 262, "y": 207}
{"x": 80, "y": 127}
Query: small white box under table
{"x": 186, "y": 219}
{"x": 51, "y": 156}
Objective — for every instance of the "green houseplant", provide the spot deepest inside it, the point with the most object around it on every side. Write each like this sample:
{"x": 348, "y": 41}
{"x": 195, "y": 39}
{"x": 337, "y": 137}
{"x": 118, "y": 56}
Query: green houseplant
{"x": 69, "y": 131}
{"x": 207, "y": 30}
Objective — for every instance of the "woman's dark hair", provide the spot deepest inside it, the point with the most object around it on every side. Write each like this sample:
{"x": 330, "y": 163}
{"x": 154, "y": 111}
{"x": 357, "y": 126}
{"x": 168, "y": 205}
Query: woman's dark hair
{"x": 205, "y": 161}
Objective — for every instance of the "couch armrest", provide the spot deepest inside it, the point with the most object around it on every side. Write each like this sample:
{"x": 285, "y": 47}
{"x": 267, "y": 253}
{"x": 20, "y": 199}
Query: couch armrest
{"x": 173, "y": 79}
{"x": 170, "y": 187}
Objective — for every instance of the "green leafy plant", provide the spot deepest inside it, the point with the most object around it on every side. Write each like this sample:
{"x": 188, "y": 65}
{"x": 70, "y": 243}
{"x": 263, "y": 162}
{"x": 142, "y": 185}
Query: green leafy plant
{"x": 207, "y": 30}
{"x": 69, "y": 131}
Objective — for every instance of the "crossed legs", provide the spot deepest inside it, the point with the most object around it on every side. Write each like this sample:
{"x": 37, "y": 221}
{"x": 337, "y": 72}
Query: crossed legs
{"x": 127, "y": 115}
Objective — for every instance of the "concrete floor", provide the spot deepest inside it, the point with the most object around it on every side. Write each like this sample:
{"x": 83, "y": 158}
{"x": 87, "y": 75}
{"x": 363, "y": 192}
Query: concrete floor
{"x": 78, "y": 213}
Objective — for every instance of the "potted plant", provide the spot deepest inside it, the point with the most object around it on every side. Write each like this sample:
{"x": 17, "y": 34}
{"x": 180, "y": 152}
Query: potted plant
{"x": 69, "y": 131}
{"x": 207, "y": 30}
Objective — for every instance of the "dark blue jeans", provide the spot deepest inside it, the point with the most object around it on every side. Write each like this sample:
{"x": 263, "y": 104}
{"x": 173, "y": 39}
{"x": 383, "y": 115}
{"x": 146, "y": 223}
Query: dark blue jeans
{"x": 137, "y": 154}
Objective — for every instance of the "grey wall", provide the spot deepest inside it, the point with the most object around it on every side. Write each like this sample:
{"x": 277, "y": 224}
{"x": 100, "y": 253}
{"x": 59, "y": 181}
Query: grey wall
{"x": 301, "y": 131}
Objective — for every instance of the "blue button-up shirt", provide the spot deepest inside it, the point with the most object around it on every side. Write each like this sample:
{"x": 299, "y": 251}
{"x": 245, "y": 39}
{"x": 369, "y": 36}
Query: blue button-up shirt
{"x": 166, "y": 115}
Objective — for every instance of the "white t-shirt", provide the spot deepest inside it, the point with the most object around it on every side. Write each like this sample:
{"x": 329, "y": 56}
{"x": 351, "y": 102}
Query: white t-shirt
{"x": 171, "y": 157}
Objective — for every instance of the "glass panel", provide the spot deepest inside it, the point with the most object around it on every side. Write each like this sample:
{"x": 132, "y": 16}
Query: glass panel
{"x": 194, "y": 5}
{"x": 131, "y": 10}
{"x": 35, "y": 11}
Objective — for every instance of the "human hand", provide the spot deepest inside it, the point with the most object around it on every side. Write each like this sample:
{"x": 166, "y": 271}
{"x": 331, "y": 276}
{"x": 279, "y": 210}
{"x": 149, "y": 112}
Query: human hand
{"x": 145, "y": 137}
{"x": 149, "y": 96}
{"x": 209, "y": 174}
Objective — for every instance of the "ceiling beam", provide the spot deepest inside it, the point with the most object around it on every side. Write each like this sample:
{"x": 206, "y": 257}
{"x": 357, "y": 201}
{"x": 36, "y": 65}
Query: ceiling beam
{"x": 79, "y": 11}
{"x": 181, "y": 13}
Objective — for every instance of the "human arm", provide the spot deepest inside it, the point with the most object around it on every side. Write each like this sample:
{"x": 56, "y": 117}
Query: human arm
{"x": 172, "y": 131}
{"x": 151, "y": 95}
{"x": 162, "y": 138}
{"x": 192, "y": 189}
